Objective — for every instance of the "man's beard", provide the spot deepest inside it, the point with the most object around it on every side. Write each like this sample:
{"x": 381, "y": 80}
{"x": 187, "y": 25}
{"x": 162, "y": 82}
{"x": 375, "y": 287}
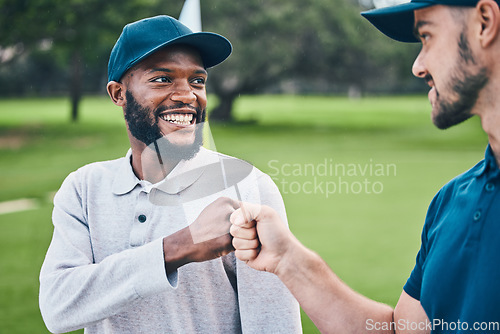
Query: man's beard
{"x": 143, "y": 125}
{"x": 466, "y": 86}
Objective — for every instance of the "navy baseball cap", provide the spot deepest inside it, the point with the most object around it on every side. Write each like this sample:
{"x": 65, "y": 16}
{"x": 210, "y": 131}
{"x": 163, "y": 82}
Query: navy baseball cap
{"x": 142, "y": 38}
{"x": 397, "y": 22}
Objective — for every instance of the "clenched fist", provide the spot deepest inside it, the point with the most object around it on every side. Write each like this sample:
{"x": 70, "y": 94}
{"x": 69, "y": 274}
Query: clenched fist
{"x": 205, "y": 239}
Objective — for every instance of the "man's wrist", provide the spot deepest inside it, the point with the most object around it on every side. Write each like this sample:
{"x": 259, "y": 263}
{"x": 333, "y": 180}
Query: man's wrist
{"x": 286, "y": 266}
{"x": 293, "y": 259}
{"x": 178, "y": 249}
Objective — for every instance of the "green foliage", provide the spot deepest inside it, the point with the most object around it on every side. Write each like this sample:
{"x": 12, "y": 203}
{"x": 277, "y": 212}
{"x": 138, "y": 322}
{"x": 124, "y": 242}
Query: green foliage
{"x": 73, "y": 23}
{"x": 370, "y": 240}
{"x": 303, "y": 41}
{"x": 56, "y": 31}
{"x": 319, "y": 46}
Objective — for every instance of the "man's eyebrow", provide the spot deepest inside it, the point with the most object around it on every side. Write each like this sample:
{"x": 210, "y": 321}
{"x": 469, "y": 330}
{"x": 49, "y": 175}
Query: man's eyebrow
{"x": 201, "y": 72}
{"x": 160, "y": 69}
{"x": 417, "y": 27}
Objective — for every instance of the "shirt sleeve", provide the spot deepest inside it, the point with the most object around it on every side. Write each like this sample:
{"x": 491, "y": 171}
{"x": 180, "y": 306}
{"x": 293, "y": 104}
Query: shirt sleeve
{"x": 74, "y": 290}
{"x": 414, "y": 283}
{"x": 266, "y": 305}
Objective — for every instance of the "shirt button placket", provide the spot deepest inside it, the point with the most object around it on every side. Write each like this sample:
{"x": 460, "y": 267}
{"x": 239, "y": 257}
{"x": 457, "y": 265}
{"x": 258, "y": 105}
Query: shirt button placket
{"x": 477, "y": 216}
{"x": 139, "y": 228}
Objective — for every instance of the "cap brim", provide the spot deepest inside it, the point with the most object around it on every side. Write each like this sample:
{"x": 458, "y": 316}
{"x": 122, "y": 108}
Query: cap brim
{"x": 397, "y": 22}
{"x": 213, "y": 48}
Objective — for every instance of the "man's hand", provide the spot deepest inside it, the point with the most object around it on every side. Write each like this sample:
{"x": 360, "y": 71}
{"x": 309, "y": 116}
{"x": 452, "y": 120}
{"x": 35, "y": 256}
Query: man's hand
{"x": 213, "y": 221}
{"x": 205, "y": 239}
{"x": 260, "y": 237}
{"x": 264, "y": 242}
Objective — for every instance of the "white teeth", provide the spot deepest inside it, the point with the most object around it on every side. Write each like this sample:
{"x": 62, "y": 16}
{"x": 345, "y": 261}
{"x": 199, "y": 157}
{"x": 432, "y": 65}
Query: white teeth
{"x": 180, "y": 119}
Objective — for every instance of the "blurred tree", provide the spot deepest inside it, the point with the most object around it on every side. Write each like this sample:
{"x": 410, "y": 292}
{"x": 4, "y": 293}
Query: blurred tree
{"x": 80, "y": 32}
{"x": 311, "y": 44}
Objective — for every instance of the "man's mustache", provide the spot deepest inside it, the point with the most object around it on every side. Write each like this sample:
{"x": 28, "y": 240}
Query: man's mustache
{"x": 179, "y": 105}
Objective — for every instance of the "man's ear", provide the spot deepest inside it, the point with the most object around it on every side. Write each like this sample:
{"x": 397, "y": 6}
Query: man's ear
{"x": 116, "y": 92}
{"x": 489, "y": 17}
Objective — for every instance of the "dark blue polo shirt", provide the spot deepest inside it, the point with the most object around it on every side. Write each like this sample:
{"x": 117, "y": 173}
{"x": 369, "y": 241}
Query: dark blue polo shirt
{"x": 457, "y": 272}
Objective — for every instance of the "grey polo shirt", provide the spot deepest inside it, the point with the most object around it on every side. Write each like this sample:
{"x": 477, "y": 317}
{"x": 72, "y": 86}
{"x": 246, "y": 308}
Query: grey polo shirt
{"x": 104, "y": 269}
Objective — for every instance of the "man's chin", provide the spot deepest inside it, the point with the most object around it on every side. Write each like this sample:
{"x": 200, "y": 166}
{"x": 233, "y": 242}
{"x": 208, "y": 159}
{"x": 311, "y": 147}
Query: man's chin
{"x": 445, "y": 121}
{"x": 186, "y": 144}
{"x": 172, "y": 151}
{"x": 188, "y": 152}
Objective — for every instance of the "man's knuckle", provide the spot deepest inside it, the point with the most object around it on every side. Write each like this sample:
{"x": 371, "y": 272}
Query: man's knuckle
{"x": 266, "y": 212}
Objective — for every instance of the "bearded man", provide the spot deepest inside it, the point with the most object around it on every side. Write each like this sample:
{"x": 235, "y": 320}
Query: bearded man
{"x": 453, "y": 287}
{"x": 141, "y": 244}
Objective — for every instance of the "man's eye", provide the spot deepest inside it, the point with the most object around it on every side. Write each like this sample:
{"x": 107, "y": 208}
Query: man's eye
{"x": 162, "y": 79}
{"x": 424, "y": 37}
{"x": 199, "y": 81}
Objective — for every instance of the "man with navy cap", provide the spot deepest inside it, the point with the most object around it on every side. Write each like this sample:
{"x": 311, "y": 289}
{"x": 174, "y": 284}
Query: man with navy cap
{"x": 141, "y": 244}
{"x": 453, "y": 287}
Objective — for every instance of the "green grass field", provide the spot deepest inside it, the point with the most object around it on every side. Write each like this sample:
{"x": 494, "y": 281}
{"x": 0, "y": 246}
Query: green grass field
{"x": 380, "y": 160}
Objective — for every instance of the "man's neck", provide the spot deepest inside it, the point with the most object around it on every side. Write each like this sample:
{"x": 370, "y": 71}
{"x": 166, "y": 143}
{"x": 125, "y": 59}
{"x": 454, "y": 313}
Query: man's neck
{"x": 494, "y": 141}
{"x": 148, "y": 165}
{"x": 488, "y": 109}
{"x": 490, "y": 122}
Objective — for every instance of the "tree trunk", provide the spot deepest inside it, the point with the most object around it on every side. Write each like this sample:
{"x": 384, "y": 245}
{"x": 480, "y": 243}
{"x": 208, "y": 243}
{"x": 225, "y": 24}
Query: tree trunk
{"x": 222, "y": 113}
{"x": 76, "y": 84}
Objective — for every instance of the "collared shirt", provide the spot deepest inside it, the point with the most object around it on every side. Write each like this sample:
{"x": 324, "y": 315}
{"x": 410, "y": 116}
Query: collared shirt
{"x": 104, "y": 269}
{"x": 458, "y": 266}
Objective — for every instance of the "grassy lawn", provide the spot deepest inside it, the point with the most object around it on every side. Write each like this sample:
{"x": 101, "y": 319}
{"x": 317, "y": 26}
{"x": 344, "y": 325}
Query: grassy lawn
{"x": 356, "y": 176}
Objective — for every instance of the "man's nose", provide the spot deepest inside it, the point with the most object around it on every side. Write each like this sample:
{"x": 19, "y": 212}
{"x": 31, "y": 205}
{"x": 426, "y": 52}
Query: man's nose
{"x": 183, "y": 93}
{"x": 418, "y": 68}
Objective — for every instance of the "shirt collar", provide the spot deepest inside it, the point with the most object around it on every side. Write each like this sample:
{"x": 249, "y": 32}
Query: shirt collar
{"x": 125, "y": 179}
{"x": 206, "y": 174}
{"x": 185, "y": 173}
{"x": 490, "y": 163}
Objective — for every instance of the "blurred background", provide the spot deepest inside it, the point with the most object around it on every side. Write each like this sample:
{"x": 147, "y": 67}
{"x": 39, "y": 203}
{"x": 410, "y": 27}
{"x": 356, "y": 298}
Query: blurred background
{"x": 312, "y": 95}
{"x": 61, "y": 48}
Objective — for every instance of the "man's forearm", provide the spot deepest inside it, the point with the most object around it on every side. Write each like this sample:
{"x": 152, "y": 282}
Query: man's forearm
{"x": 180, "y": 249}
{"x": 330, "y": 303}
{"x": 177, "y": 249}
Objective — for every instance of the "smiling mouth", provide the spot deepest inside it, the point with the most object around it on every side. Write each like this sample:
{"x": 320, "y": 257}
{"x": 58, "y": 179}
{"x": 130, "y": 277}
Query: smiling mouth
{"x": 178, "y": 119}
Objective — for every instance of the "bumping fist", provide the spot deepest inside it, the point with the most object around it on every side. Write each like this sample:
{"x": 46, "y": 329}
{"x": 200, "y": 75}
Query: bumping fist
{"x": 205, "y": 239}
{"x": 260, "y": 237}
{"x": 213, "y": 221}
{"x": 210, "y": 231}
